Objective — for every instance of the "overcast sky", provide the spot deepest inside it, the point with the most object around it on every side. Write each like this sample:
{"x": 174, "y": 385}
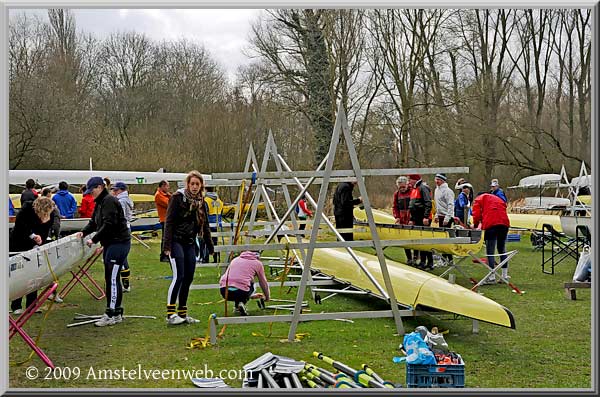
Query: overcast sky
{"x": 223, "y": 32}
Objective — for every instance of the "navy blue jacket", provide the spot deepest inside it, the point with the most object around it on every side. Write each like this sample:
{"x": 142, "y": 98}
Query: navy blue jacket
{"x": 499, "y": 193}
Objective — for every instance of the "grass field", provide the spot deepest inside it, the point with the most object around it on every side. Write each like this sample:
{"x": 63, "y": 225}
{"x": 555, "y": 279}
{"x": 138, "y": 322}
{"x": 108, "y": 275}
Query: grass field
{"x": 550, "y": 347}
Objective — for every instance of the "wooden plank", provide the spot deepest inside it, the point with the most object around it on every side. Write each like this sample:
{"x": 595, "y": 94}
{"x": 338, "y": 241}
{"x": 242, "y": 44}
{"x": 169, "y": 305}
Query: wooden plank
{"x": 570, "y": 288}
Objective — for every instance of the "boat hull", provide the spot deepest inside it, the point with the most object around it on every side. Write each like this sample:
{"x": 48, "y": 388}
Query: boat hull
{"x": 569, "y": 223}
{"x": 35, "y": 269}
{"x": 415, "y": 288}
{"x": 387, "y": 230}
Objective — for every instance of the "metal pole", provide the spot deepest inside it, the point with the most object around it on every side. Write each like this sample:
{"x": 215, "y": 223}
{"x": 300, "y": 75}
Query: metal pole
{"x": 369, "y": 212}
{"x": 340, "y": 238}
{"x": 315, "y": 229}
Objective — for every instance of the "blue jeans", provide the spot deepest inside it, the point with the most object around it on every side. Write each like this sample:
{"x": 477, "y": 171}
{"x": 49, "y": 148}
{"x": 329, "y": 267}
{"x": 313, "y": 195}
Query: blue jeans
{"x": 496, "y": 237}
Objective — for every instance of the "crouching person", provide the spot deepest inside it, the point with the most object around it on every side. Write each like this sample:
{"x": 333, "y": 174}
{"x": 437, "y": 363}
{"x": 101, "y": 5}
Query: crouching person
{"x": 110, "y": 225}
{"x": 237, "y": 284}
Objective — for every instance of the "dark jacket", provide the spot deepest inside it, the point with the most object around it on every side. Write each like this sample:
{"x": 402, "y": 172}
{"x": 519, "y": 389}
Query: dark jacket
{"x": 28, "y": 195}
{"x": 401, "y": 205}
{"x": 343, "y": 203}
{"x": 499, "y": 193}
{"x": 27, "y": 223}
{"x": 108, "y": 221}
{"x": 181, "y": 224}
{"x": 420, "y": 202}
{"x": 66, "y": 203}
{"x": 55, "y": 229}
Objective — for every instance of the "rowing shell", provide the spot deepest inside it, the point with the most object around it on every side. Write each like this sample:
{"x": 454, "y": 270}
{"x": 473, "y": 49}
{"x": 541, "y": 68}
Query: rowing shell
{"x": 387, "y": 230}
{"x": 413, "y": 287}
{"x": 30, "y": 271}
{"x": 143, "y": 223}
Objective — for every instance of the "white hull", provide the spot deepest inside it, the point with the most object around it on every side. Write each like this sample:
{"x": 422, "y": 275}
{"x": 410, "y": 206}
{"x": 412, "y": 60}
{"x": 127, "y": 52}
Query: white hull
{"x": 29, "y": 271}
{"x": 75, "y": 225}
{"x": 78, "y": 177}
{"x": 569, "y": 223}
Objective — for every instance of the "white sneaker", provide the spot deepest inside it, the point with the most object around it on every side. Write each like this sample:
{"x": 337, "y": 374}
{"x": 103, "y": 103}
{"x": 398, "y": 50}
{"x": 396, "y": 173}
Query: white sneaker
{"x": 175, "y": 320}
{"x": 18, "y": 312}
{"x": 55, "y": 298}
{"x": 128, "y": 289}
{"x": 242, "y": 309}
{"x": 118, "y": 319}
{"x": 489, "y": 281}
{"x": 105, "y": 320}
{"x": 191, "y": 320}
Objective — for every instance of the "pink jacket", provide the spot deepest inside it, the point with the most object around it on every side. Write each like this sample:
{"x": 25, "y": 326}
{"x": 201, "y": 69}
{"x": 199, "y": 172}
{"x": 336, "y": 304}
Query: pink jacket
{"x": 241, "y": 272}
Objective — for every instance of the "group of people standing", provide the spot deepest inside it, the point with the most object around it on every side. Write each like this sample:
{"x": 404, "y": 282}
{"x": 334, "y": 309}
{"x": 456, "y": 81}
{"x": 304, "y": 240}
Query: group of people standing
{"x": 413, "y": 205}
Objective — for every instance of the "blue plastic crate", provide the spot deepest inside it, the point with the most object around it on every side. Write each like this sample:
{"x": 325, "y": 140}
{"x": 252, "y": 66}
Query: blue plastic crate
{"x": 432, "y": 375}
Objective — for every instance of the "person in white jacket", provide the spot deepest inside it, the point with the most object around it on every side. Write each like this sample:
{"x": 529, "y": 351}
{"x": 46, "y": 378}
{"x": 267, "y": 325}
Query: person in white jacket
{"x": 444, "y": 205}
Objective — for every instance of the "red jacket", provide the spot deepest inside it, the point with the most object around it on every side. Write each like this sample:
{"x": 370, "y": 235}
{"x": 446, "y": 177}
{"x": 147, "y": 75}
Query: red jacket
{"x": 490, "y": 210}
{"x": 87, "y": 206}
{"x": 400, "y": 206}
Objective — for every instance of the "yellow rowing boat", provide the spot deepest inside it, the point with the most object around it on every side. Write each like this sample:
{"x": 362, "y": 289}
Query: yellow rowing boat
{"x": 387, "y": 230}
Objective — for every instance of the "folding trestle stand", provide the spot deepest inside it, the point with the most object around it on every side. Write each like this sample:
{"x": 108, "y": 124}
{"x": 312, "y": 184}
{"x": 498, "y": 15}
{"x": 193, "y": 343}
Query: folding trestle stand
{"x": 16, "y": 326}
{"x": 494, "y": 271}
{"x": 561, "y": 249}
{"x": 78, "y": 278}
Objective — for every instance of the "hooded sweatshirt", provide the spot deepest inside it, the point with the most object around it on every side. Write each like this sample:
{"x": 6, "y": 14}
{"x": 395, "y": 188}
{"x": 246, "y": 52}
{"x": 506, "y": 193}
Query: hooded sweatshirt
{"x": 127, "y": 205}
{"x": 241, "y": 272}
{"x": 214, "y": 207}
{"x": 66, "y": 203}
{"x": 444, "y": 202}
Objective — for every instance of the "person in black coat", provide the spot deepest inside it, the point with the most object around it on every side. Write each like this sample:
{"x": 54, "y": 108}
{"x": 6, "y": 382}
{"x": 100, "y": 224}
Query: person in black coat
{"x": 186, "y": 219}
{"x": 29, "y": 194}
{"x": 343, "y": 208}
{"x": 109, "y": 223}
{"x": 32, "y": 227}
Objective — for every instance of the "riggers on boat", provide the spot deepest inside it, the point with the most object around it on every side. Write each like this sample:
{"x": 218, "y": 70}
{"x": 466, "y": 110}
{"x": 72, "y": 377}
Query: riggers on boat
{"x": 35, "y": 269}
{"x": 412, "y": 287}
{"x": 389, "y": 231}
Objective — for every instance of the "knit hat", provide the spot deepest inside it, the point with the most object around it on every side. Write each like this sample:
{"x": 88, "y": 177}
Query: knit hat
{"x": 442, "y": 177}
{"x": 414, "y": 177}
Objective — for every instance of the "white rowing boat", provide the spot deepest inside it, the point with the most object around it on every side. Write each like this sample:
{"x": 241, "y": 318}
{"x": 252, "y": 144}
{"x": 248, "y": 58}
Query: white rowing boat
{"x": 35, "y": 269}
{"x": 80, "y": 177}
{"x": 569, "y": 223}
{"x": 68, "y": 226}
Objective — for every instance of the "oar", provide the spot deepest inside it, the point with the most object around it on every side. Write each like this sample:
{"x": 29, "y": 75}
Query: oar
{"x": 361, "y": 377}
{"x": 375, "y": 376}
{"x": 324, "y": 377}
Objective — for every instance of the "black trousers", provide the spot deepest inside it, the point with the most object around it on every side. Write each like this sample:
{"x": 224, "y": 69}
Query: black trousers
{"x": 426, "y": 257}
{"x": 238, "y": 295}
{"x": 448, "y": 257}
{"x": 114, "y": 257}
{"x": 345, "y": 221}
{"x": 184, "y": 256}
{"x": 495, "y": 237}
{"x": 18, "y": 303}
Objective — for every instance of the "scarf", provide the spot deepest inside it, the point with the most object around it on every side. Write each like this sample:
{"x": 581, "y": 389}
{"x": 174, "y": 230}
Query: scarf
{"x": 196, "y": 205}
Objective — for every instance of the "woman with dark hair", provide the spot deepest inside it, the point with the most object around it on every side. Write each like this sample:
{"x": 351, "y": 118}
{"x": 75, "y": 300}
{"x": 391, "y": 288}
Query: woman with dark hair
{"x": 186, "y": 218}
{"x": 32, "y": 227}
